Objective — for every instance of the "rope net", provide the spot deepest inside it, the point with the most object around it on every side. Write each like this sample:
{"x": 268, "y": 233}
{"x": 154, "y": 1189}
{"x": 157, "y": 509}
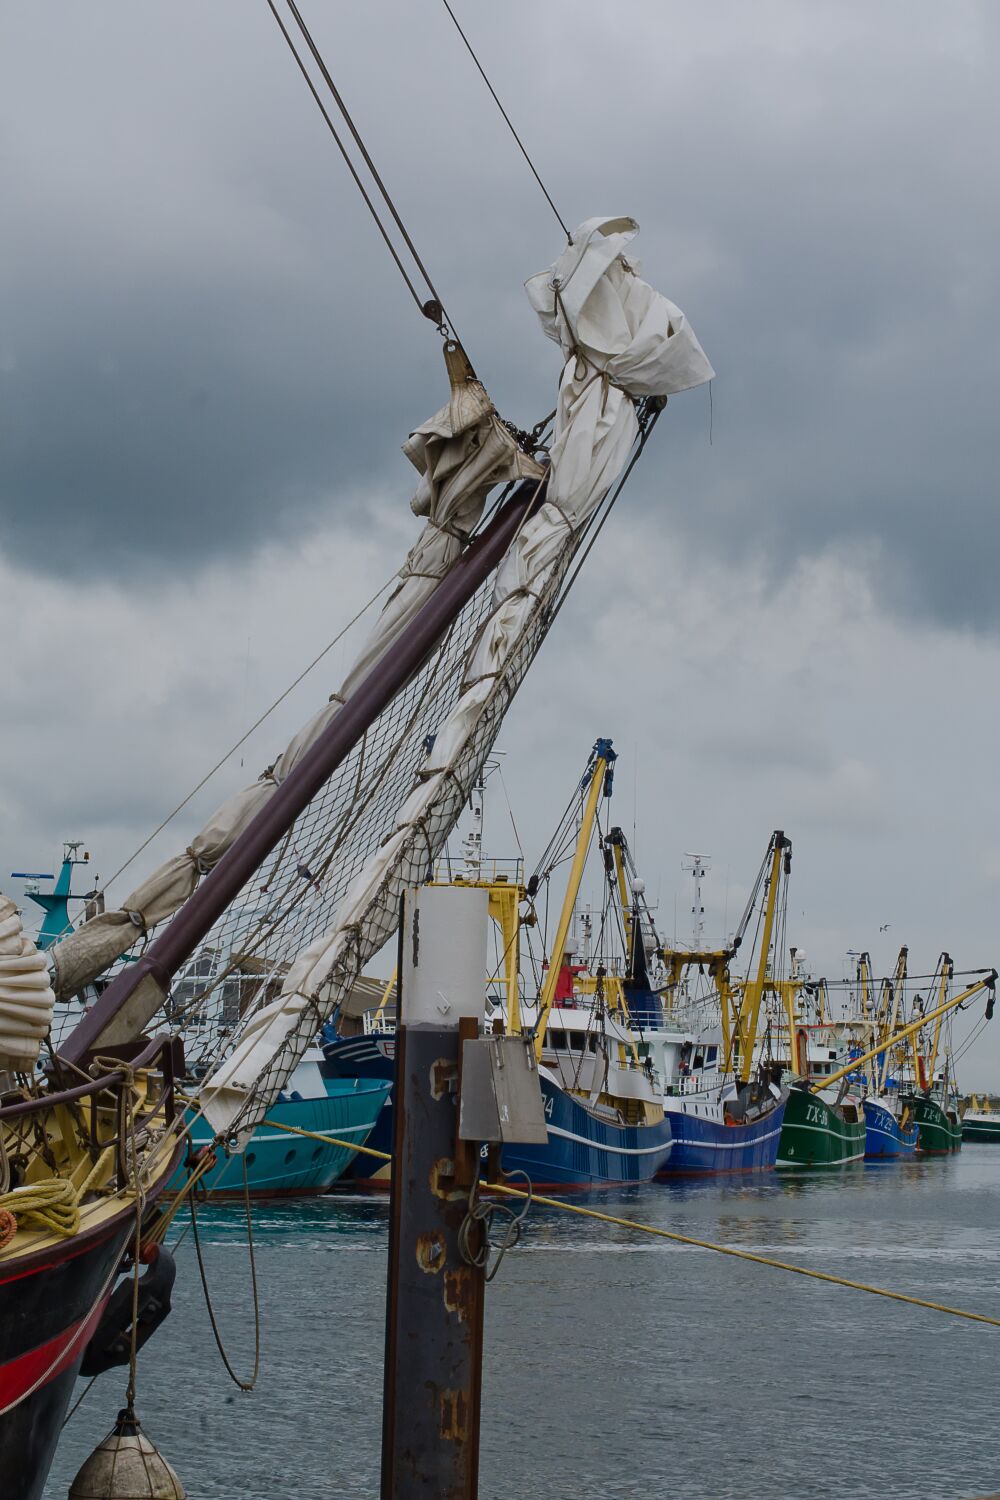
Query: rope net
{"x": 295, "y": 895}
{"x": 347, "y": 847}
{"x": 296, "y": 892}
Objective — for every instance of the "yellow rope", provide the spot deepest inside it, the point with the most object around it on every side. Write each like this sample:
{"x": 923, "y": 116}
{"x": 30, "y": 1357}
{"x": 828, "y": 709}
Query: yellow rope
{"x": 51, "y": 1204}
{"x": 681, "y": 1239}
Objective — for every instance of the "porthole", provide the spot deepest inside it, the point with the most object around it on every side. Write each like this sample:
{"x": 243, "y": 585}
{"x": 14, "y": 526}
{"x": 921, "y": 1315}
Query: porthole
{"x": 289, "y": 1156}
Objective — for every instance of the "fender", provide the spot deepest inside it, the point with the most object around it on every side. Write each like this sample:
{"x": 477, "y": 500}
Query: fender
{"x": 111, "y": 1344}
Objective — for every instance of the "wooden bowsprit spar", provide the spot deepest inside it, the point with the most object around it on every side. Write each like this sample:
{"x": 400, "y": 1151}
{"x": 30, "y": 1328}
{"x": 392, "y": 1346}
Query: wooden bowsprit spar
{"x": 135, "y": 995}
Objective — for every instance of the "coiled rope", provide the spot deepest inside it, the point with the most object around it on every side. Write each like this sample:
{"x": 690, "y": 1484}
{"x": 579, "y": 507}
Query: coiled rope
{"x": 52, "y": 1204}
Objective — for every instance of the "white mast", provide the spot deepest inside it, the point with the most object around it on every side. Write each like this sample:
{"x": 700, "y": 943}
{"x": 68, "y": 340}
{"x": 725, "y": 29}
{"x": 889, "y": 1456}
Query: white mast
{"x": 697, "y": 865}
{"x": 472, "y": 844}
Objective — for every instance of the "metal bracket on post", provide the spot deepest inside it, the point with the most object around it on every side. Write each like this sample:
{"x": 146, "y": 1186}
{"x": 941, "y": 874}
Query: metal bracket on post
{"x": 501, "y": 1096}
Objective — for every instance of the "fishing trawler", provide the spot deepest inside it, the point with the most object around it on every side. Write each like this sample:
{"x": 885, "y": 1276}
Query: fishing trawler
{"x": 824, "y": 1123}
{"x": 933, "y": 1101}
{"x": 724, "y": 1101}
{"x": 603, "y": 1100}
{"x": 287, "y": 1155}
{"x": 890, "y": 1131}
{"x": 603, "y": 1108}
{"x": 840, "y": 1077}
{"x": 981, "y": 1122}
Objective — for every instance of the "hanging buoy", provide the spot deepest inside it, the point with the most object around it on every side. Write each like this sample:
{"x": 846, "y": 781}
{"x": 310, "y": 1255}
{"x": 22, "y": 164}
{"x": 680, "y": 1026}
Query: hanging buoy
{"x": 126, "y": 1466}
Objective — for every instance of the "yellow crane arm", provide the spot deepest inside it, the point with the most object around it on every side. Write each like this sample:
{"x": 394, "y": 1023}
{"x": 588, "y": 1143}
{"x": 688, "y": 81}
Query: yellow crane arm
{"x": 603, "y": 757}
{"x": 753, "y": 990}
{"x": 987, "y": 982}
{"x": 947, "y": 969}
{"x": 624, "y": 896}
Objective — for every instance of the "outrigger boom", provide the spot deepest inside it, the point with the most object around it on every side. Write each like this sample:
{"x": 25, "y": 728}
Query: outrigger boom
{"x": 987, "y": 982}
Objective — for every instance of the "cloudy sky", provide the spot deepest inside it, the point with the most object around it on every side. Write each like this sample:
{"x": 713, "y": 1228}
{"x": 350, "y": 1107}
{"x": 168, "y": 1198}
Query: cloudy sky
{"x": 208, "y": 363}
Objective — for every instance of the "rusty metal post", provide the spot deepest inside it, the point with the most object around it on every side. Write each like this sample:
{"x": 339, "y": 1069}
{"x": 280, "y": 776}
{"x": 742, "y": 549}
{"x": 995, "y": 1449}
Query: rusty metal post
{"x": 434, "y": 1301}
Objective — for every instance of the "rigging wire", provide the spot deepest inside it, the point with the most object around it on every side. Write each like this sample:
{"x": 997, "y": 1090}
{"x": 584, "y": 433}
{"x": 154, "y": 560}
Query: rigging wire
{"x": 496, "y": 99}
{"x": 434, "y": 308}
{"x": 246, "y": 735}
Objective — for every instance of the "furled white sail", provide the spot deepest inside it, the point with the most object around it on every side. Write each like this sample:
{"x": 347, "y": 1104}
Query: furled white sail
{"x": 621, "y": 341}
{"x": 461, "y": 453}
{"x": 26, "y": 997}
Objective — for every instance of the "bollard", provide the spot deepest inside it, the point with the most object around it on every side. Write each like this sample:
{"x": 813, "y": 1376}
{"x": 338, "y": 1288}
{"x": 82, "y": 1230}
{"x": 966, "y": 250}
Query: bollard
{"x": 434, "y": 1298}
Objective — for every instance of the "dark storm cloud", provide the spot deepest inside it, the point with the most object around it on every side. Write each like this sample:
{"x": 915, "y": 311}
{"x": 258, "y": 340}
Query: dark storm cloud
{"x": 204, "y": 345}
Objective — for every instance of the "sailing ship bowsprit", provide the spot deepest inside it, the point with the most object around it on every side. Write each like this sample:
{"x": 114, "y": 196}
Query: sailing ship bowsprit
{"x": 353, "y": 812}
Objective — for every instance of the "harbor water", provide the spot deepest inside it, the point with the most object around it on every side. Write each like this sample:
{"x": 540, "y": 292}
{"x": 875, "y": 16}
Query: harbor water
{"x": 617, "y": 1365}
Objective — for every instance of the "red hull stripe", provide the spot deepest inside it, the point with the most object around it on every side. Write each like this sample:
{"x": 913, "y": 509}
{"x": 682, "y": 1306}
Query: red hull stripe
{"x": 19, "y": 1375}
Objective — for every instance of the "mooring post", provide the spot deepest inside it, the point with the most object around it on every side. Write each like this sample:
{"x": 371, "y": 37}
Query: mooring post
{"x": 434, "y": 1300}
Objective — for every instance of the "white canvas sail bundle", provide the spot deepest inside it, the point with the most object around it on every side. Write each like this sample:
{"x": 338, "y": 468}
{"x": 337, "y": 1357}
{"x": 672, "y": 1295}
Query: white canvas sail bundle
{"x": 26, "y": 997}
{"x": 621, "y": 341}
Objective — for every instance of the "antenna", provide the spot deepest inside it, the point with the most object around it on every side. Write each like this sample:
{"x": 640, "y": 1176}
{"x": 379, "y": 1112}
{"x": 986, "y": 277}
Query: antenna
{"x": 697, "y": 865}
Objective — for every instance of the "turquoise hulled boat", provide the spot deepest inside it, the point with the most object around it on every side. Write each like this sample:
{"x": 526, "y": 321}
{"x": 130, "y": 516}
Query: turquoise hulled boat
{"x": 280, "y": 1163}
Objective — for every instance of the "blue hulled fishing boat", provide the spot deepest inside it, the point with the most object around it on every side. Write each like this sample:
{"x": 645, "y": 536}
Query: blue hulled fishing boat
{"x": 698, "y": 1028}
{"x": 367, "y": 1059}
{"x": 887, "y": 1135}
{"x": 603, "y": 1102}
{"x": 588, "y": 1146}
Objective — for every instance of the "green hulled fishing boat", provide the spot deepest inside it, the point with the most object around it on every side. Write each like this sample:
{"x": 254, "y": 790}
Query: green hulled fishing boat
{"x": 981, "y": 1123}
{"x": 816, "y": 1133}
{"x": 940, "y": 1129}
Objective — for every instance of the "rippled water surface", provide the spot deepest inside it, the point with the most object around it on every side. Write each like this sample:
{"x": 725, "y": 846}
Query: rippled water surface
{"x": 617, "y": 1365}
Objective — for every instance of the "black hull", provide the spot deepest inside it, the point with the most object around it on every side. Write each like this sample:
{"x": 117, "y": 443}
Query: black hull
{"x": 47, "y": 1316}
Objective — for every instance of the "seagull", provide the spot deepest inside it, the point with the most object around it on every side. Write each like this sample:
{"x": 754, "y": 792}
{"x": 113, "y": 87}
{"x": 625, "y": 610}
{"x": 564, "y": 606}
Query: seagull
{"x": 885, "y": 927}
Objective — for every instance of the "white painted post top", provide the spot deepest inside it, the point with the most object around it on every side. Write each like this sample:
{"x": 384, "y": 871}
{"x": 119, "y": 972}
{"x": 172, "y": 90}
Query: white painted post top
{"x": 444, "y": 955}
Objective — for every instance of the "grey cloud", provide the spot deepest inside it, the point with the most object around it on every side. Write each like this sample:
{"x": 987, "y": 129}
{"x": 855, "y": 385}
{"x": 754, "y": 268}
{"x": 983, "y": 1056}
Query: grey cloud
{"x": 204, "y": 345}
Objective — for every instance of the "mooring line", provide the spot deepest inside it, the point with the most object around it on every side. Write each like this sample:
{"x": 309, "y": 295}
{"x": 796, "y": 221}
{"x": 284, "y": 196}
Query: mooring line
{"x": 681, "y": 1239}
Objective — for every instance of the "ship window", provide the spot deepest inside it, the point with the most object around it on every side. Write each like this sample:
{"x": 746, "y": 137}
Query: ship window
{"x": 289, "y": 1156}
{"x": 592, "y": 1043}
{"x": 317, "y": 1153}
{"x": 711, "y": 1053}
{"x": 699, "y": 1061}
{"x": 558, "y": 1039}
{"x": 250, "y": 1158}
{"x": 576, "y": 1040}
